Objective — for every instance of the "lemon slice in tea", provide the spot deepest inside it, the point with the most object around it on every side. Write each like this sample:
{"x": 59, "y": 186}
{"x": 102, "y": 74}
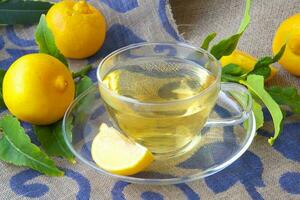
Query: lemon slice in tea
{"x": 115, "y": 153}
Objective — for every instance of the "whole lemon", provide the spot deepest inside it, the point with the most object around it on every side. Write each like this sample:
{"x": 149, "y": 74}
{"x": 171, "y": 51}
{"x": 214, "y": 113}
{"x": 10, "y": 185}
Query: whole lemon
{"x": 289, "y": 32}
{"x": 78, "y": 28}
{"x": 244, "y": 60}
{"x": 38, "y": 88}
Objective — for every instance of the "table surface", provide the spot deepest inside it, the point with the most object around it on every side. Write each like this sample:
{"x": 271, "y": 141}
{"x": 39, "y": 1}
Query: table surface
{"x": 276, "y": 171}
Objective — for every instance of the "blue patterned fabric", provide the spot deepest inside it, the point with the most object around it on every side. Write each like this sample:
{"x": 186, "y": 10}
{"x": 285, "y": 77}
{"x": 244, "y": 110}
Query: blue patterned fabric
{"x": 263, "y": 172}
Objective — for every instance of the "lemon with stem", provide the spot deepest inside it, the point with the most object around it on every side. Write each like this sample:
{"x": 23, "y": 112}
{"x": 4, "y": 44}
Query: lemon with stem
{"x": 78, "y": 28}
{"x": 289, "y": 33}
{"x": 38, "y": 88}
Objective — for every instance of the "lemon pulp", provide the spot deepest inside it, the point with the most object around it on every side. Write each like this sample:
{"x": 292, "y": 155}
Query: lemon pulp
{"x": 115, "y": 153}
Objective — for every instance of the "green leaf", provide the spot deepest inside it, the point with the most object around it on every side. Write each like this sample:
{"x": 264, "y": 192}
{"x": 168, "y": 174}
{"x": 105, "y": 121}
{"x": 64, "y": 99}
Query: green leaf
{"x": 286, "y": 96}
{"x": 256, "y": 108}
{"x": 22, "y": 12}
{"x": 280, "y": 53}
{"x": 264, "y": 71}
{"x": 82, "y": 72}
{"x": 2, "y": 104}
{"x": 246, "y": 19}
{"x": 52, "y": 140}
{"x": 230, "y": 78}
{"x": 262, "y": 66}
{"x": 46, "y": 42}
{"x": 255, "y": 84}
{"x": 232, "y": 73}
{"x": 207, "y": 40}
{"x": 258, "y": 114}
{"x": 83, "y": 84}
{"x": 233, "y": 69}
{"x": 16, "y": 148}
{"x": 227, "y": 46}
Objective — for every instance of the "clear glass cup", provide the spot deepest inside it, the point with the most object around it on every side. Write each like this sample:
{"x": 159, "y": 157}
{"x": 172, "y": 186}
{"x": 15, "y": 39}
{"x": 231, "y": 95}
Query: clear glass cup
{"x": 217, "y": 149}
{"x": 139, "y": 95}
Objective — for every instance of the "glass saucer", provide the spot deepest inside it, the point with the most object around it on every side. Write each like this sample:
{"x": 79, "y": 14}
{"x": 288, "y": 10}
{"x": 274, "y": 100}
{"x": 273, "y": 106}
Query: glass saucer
{"x": 217, "y": 148}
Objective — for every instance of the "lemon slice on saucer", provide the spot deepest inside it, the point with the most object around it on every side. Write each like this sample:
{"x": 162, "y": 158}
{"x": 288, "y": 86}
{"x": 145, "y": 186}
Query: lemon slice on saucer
{"x": 115, "y": 153}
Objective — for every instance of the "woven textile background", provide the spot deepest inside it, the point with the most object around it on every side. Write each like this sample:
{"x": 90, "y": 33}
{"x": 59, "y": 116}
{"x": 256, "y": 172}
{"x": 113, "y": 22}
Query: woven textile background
{"x": 263, "y": 172}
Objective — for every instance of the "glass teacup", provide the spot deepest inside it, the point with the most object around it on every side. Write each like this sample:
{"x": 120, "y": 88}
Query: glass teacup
{"x": 161, "y": 95}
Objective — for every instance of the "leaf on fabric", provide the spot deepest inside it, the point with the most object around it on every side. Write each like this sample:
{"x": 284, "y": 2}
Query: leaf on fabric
{"x": 255, "y": 84}
{"x": 258, "y": 114}
{"x": 227, "y": 46}
{"x": 207, "y": 40}
{"x": 52, "y": 140}
{"x": 46, "y": 42}
{"x": 21, "y": 11}
{"x": 262, "y": 66}
{"x": 16, "y": 148}
{"x": 286, "y": 96}
{"x": 232, "y": 73}
{"x": 83, "y": 84}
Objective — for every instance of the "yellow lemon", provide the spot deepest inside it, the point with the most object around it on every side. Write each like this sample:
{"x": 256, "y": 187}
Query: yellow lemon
{"x": 38, "y": 88}
{"x": 244, "y": 60}
{"x": 115, "y": 153}
{"x": 78, "y": 28}
{"x": 289, "y": 32}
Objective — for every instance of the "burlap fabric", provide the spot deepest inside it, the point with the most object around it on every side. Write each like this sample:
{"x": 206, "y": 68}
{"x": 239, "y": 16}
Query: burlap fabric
{"x": 276, "y": 174}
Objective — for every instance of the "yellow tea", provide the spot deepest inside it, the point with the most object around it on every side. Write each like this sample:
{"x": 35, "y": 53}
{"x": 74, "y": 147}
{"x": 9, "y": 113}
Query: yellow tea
{"x": 164, "y": 110}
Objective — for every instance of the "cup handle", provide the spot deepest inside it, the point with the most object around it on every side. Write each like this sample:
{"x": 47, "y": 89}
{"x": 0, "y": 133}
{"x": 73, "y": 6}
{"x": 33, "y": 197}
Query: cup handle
{"x": 243, "y": 103}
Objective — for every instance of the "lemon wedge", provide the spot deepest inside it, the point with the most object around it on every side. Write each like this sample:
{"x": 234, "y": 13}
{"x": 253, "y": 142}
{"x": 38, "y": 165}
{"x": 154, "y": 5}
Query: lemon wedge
{"x": 115, "y": 153}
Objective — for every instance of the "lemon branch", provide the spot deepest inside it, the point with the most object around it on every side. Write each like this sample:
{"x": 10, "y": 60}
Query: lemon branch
{"x": 82, "y": 72}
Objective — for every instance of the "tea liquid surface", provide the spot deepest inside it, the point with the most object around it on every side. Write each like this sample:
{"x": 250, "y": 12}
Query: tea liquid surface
{"x": 168, "y": 127}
